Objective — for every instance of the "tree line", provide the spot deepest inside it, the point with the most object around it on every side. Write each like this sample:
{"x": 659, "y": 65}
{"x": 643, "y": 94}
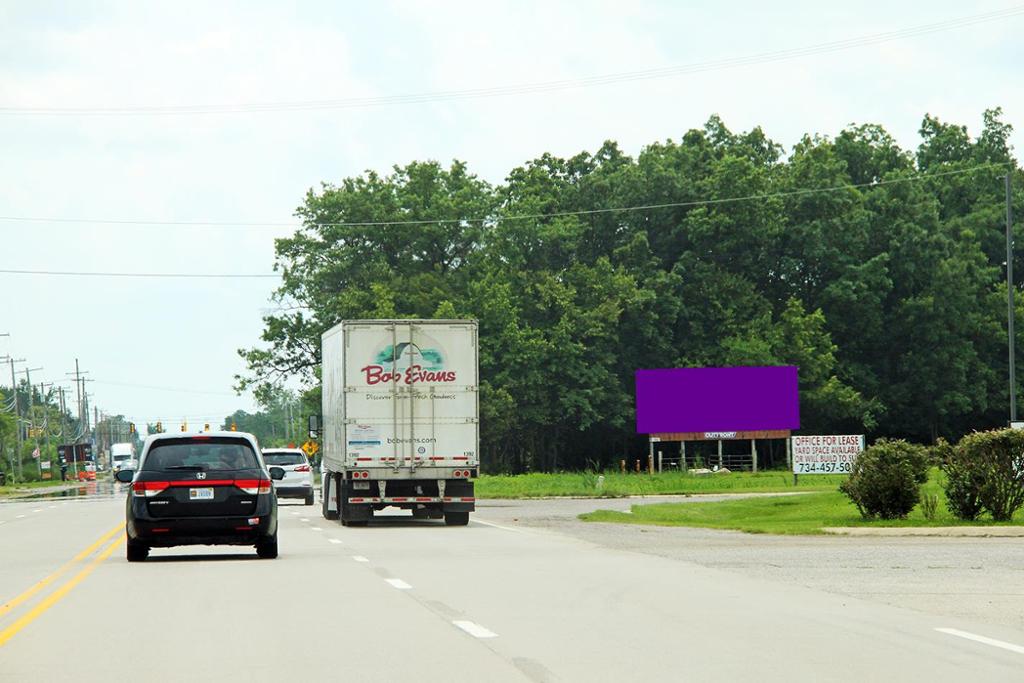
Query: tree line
{"x": 877, "y": 270}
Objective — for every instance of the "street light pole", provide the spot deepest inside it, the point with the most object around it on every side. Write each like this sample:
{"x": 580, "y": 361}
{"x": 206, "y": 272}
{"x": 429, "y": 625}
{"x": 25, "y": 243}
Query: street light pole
{"x": 1009, "y": 299}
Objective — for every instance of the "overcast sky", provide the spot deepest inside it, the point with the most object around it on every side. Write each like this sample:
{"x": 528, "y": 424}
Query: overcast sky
{"x": 176, "y": 340}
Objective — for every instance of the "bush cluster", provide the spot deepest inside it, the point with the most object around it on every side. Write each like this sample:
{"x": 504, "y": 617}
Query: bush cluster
{"x": 886, "y": 479}
{"x": 985, "y": 472}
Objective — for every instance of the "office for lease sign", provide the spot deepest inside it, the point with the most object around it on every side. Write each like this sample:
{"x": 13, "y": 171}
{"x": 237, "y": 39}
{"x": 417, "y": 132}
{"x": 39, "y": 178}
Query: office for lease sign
{"x": 826, "y": 454}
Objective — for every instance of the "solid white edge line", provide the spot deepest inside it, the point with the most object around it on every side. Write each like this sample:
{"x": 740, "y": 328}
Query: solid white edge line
{"x": 474, "y": 629}
{"x": 496, "y": 526}
{"x": 1019, "y": 649}
{"x": 399, "y": 584}
{"x": 360, "y": 558}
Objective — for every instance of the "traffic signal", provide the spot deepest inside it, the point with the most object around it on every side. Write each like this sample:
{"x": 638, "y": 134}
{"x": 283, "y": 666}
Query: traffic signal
{"x": 131, "y": 427}
{"x": 206, "y": 427}
{"x": 184, "y": 426}
{"x": 159, "y": 427}
{"x": 234, "y": 427}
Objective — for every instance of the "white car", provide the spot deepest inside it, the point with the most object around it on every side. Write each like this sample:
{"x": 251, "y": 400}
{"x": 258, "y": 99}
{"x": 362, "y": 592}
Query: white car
{"x": 298, "y": 475}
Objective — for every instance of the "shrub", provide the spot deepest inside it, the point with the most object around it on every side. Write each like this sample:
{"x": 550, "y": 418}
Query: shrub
{"x": 963, "y": 484}
{"x": 990, "y": 466}
{"x": 886, "y": 479}
{"x": 929, "y": 505}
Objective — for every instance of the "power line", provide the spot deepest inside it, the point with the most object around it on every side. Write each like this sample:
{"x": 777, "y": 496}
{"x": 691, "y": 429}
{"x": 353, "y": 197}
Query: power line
{"x": 80, "y": 273}
{"x": 173, "y": 389}
{"x": 526, "y": 88}
{"x": 494, "y": 218}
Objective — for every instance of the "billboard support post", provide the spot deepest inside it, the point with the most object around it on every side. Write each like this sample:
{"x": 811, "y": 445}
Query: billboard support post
{"x": 682, "y": 456}
{"x": 753, "y": 454}
{"x": 719, "y": 454}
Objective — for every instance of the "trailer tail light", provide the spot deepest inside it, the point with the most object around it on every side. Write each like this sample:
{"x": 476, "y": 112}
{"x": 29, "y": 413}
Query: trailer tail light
{"x": 361, "y": 475}
{"x": 463, "y": 474}
{"x": 254, "y": 486}
{"x": 148, "y": 489}
{"x": 301, "y": 468}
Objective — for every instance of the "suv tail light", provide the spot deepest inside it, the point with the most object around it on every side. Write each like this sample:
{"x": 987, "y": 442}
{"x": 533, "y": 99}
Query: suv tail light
{"x": 148, "y": 489}
{"x": 254, "y": 486}
{"x": 301, "y": 468}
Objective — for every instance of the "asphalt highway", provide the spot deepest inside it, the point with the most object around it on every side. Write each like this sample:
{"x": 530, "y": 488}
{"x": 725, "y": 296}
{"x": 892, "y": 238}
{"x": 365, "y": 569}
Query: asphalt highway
{"x": 412, "y": 600}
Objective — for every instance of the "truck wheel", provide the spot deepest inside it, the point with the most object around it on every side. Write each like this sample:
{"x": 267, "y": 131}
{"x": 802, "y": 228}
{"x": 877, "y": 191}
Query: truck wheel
{"x": 456, "y": 518}
{"x": 328, "y": 514}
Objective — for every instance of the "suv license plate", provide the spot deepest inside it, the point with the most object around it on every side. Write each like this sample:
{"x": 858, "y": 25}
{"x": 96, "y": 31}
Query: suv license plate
{"x": 200, "y": 494}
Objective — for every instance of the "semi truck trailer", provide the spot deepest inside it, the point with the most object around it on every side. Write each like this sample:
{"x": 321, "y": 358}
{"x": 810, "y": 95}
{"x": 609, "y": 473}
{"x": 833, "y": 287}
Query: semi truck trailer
{"x": 400, "y": 419}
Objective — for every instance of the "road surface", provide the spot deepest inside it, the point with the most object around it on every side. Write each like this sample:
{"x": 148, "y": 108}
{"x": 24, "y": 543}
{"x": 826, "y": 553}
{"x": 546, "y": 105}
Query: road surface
{"x": 495, "y": 601}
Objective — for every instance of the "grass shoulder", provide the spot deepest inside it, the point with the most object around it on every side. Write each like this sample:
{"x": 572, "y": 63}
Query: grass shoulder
{"x": 30, "y": 486}
{"x": 617, "y": 485}
{"x": 805, "y": 514}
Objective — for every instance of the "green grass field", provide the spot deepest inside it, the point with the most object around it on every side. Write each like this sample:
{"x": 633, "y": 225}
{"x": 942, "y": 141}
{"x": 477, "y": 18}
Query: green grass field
{"x": 616, "y": 484}
{"x": 805, "y": 514}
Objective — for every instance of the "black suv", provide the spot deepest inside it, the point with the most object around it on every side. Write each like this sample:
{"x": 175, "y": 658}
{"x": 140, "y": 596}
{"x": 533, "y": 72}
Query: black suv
{"x": 201, "y": 489}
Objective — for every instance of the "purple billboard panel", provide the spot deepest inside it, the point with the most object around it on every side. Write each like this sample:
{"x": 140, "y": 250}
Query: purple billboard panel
{"x": 717, "y": 399}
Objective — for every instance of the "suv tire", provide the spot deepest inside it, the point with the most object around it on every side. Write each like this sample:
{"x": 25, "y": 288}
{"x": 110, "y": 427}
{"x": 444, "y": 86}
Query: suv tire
{"x": 266, "y": 549}
{"x": 136, "y": 552}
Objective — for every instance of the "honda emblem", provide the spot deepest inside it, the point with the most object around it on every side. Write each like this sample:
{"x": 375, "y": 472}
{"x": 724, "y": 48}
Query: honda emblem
{"x": 200, "y": 475}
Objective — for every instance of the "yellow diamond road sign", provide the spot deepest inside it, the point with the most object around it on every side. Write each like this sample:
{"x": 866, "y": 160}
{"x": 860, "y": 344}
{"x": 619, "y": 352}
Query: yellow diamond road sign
{"x": 310, "y": 447}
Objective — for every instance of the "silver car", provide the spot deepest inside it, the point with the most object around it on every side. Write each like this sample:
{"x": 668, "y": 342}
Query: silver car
{"x": 298, "y": 474}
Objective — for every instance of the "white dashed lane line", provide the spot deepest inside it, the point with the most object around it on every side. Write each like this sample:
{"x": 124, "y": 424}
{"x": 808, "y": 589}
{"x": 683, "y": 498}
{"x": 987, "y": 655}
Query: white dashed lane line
{"x": 38, "y": 510}
{"x": 399, "y": 584}
{"x": 315, "y": 528}
{"x": 20, "y": 517}
{"x": 303, "y": 519}
{"x": 1002, "y": 644}
{"x": 335, "y": 541}
{"x": 359, "y": 558}
{"x": 474, "y": 629}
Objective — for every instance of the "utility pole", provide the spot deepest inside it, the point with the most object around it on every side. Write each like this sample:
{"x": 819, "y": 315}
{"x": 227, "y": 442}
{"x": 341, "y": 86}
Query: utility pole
{"x": 83, "y": 409}
{"x": 46, "y": 429}
{"x": 31, "y": 421}
{"x": 1009, "y": 297}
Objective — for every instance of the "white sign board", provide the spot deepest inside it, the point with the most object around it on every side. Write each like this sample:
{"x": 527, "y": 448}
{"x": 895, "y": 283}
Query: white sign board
{"x": 826, "y": 454}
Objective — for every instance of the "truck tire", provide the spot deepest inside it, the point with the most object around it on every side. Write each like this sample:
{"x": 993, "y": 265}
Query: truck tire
{"x": 456, "y": 518}
{"x": 328, "y": 514}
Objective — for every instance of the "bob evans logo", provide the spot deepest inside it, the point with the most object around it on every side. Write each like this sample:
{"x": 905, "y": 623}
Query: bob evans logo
{"x": 408, "y": 363}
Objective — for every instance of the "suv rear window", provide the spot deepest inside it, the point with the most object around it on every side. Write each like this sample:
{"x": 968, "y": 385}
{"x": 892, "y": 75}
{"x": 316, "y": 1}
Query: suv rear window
{"x": 284, "y": 458}
{"x": 207, "y": 454}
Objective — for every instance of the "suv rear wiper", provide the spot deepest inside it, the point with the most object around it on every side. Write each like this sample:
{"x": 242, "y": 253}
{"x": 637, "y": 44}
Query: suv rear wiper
{"x": 194, "y": 468}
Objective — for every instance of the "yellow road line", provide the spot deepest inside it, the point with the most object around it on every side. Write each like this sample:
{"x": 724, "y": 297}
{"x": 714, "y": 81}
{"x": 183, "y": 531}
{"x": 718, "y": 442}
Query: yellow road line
{"x": 14, "y": 602}
{"x": 51, "y": 599}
